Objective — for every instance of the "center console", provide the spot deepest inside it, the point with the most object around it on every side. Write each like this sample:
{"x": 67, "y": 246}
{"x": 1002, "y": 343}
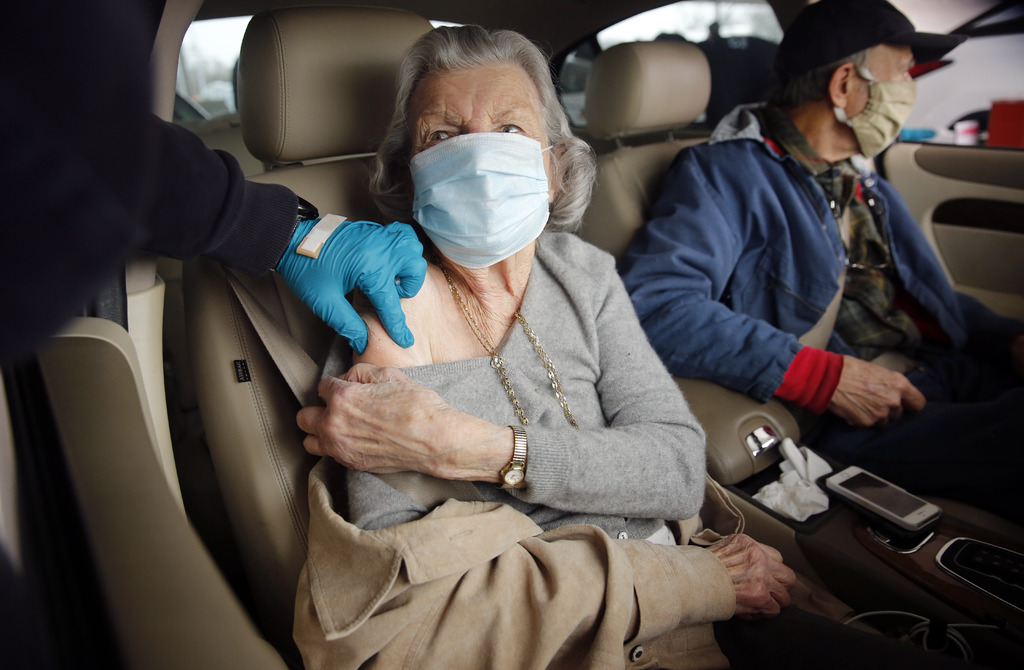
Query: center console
{"x": 966, "y": 569}
{"x": 976, "y": 570}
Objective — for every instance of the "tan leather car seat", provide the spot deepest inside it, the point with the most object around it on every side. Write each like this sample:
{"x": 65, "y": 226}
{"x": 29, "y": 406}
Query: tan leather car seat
{"x": 637, "y": 89}
{"x": 316, "y": 93}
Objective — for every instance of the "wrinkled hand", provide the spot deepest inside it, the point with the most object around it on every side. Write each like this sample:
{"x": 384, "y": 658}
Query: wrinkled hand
{"x": 378, "y": 420}
{"x": 385, "y": 262}
{"x": 1017, "y": 355}
{"x": 761, "y": 579}
{"x": 870, "y": 395}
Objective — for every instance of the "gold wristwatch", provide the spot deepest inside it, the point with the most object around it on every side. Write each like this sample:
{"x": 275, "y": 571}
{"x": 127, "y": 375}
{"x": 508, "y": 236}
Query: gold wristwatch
{"x": 513, "y": 475}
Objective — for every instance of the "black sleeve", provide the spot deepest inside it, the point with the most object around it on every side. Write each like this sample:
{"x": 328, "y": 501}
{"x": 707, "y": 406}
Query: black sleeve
{"x": 90, "y": 175}
{"x": 203, "y": 205}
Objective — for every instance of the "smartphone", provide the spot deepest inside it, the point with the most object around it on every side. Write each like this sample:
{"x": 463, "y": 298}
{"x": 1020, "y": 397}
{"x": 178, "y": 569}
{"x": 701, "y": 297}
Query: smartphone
{"x": 883, "y": 498}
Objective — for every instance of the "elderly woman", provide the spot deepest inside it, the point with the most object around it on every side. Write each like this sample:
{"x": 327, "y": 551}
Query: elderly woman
{"x": 505, "y": 496}
{"x": 540, "y": 442}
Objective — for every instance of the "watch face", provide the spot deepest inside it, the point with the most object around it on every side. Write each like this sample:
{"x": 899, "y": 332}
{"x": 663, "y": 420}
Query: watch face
{"x": 513, "y": 477}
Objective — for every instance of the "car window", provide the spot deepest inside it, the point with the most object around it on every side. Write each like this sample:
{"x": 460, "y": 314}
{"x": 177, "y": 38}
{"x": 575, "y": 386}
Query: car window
{"x": 207, "y": 65}
{"x": 739, "y": 39}
{"x": 978, "y": 82}
{"x": 207, "y": 82}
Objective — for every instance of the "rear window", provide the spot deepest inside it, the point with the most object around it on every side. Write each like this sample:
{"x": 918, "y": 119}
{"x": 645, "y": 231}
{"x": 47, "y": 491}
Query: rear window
{"x": 207, "y": 82}
{"x": 739, "y": 39}
{"x": 207, "y": 69}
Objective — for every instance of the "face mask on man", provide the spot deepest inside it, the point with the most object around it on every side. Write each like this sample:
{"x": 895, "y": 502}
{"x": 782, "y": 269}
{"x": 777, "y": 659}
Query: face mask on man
{"x": 879, "y": 123}
{"x": 481, "y": 197}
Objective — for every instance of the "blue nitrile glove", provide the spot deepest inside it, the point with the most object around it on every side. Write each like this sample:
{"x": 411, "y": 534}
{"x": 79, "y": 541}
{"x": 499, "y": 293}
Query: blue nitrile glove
{"x": 385, "y": 262}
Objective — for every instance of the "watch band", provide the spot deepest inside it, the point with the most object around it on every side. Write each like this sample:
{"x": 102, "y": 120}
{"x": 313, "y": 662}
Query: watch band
{"x": 513, "y": 475}
{"x": 306, "y": 210}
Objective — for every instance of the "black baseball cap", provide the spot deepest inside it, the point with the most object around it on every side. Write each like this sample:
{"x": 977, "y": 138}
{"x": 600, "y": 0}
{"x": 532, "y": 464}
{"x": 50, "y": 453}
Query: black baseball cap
{"x": 830, "y": 30}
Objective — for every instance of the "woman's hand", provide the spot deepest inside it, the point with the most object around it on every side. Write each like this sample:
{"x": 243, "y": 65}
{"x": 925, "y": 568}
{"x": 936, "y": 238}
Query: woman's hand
{"x": 761, "y": 579}
{"x": 379, "y": 420}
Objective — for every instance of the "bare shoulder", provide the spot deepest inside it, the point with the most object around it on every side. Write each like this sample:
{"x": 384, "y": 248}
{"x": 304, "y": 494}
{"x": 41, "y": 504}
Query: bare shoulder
{"x": 419, "y": 313}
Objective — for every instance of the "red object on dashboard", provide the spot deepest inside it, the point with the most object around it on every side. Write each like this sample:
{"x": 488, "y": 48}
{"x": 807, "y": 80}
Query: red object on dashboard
{"x": 1006, "y": 124}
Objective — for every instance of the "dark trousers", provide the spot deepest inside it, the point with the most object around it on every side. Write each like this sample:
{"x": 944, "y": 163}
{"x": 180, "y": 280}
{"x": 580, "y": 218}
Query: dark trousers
{"x": 966, "y": 444}
{"x": 797, "y": 640}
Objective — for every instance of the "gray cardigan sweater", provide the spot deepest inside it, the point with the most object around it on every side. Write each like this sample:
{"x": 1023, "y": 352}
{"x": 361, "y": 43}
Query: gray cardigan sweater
{"x": 638, "y": 456}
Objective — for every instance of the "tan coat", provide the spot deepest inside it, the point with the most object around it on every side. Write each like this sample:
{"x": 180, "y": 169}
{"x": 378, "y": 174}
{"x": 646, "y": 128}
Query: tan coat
{"x": 479, "y": 585}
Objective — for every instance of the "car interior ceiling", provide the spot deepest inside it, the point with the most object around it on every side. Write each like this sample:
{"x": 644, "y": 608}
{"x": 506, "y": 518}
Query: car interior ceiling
{"x": 89, "y": 567}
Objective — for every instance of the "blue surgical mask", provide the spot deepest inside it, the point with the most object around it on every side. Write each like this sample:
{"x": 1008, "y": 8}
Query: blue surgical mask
{"x": 481, "y": 197}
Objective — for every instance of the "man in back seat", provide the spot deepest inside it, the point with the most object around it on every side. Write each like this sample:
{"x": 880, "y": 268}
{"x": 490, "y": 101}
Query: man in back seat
{"x": 748, "y": 242}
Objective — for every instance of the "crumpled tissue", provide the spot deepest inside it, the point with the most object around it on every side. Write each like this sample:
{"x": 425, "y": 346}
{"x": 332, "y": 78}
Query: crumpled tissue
{"x": 794, "y": 494}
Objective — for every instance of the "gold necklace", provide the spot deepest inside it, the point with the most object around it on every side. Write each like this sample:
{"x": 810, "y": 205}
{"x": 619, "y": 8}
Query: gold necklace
{"x": 499, "y": 364}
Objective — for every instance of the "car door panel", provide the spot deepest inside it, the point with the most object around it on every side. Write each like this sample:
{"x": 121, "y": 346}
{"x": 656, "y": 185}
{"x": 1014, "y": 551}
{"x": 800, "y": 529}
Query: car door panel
{"x": 969, "y": 202}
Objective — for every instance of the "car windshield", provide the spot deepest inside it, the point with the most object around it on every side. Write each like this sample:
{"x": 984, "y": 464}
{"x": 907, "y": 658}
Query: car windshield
{"x": 979, "y": 79}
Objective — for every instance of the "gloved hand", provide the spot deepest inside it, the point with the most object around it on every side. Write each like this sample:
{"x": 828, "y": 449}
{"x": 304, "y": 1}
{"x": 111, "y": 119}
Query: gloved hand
{"x": 385, "y": 262}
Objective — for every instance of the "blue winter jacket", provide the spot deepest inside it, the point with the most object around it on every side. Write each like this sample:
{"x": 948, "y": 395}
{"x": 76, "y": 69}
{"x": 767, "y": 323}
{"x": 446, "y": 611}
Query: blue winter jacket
{"x": 742, "y": 255}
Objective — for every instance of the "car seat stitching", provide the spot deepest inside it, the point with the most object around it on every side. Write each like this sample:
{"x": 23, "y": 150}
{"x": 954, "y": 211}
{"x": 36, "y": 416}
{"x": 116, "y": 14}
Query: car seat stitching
{"x": 242, "y": 336}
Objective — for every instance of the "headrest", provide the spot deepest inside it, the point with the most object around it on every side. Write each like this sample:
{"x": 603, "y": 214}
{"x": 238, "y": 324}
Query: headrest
{"x": 316, "y": 82}
{"x": 641, "y": 87}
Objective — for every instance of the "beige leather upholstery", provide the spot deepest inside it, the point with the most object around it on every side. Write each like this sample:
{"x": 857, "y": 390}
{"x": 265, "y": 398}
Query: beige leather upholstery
{"x": 628, "y": 181}
{"x": 314, "y": 82}
{"x": 300, "y": 97}
{"x": 634, "y": 89}
{"x": 169, "y": 605}
{"x": 145, "y": 293}
{"x": 641, "y": 87}
{"x": 255, "y": 444}
{"x": 638, "y": 88}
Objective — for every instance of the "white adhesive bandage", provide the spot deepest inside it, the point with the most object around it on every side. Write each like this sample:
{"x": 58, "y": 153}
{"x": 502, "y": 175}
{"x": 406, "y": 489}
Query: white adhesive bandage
{"x": 318, "y": 235}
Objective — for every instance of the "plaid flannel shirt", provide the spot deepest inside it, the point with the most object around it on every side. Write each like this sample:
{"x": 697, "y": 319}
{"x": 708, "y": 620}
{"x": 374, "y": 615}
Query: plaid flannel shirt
{"x": 867, "y": 320}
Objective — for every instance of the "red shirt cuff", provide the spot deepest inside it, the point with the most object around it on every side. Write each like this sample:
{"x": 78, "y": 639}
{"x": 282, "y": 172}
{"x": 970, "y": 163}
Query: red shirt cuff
{"x": 811, "y": 379}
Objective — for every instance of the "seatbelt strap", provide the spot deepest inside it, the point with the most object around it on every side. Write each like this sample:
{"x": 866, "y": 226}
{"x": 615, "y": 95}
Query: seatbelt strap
{"x": 431, "y": 491}
{"x": 302, "y": 375}
{"x": 300, "y": 372}
{"x": 819, "y": 335}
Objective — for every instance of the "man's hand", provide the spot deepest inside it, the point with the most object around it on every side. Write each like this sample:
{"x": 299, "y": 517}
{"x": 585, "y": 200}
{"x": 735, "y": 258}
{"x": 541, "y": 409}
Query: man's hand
{"x": 870, "y": 395}
{"x": 385, "y": 262}
{"x": 761, "y": 579}
{"x": 378, "y": 420}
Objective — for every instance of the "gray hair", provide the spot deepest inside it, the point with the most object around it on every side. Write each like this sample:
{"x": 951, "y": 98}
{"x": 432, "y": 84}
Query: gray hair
{"x": 813, "y": 86}
{"x": 452, "y": 49}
